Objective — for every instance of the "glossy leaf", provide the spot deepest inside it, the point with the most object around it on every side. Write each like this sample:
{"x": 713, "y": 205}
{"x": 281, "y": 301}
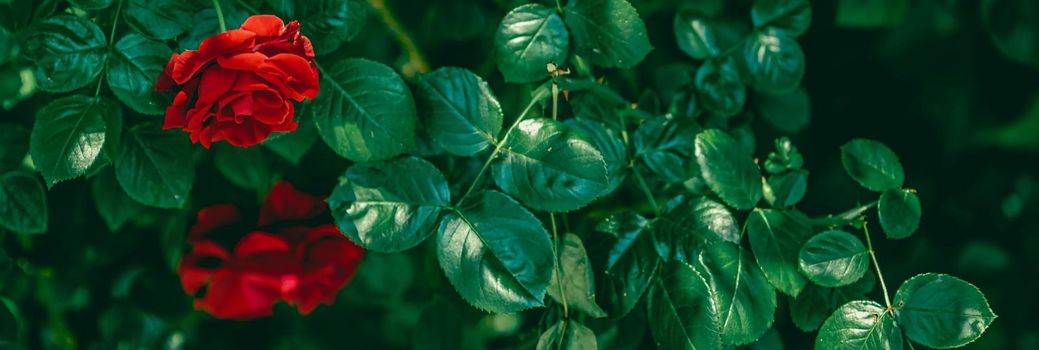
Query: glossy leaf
{"x": 941, "y": 311}
{"x": 247, "y": 168}
{"x": 899, "y": 212}
{"x": 567, "y": 335}
{"x": 691, "y": 224}
{"x": 787, "y": 189}
{"x": 464, "y": 116}
{"x": 665, "y": 146}
{"x": 158, "y": 19}
{"x": 860, "y": 325}
{"x": 389, "y": 206}
{"x": 608, "y": 33}
{"x": 91, "y": 4}
{"x": 114, "y": 206}
{"x": 529, "y": 38}
{"x": 204, "y": 24}
{"x": 785, "y": 157}
{"x": 792, "y": 16}
{"x": 834, "y": 259}
{"x": 330, "y": 23}
{"x": 872, "y": 164}
{"x": 572, "y": 281}
{"x": 15, "y": 145}
{"x": 133, "y": 67}
{"x": 728, "y": 170}
{"x": 774, "y": 61}
{"x": 720, "y": 88}
{"x": 69, "y": 134}
{"x": 293, "y": 146}
{"x": 776, "y": 238}
{"x": 682, "y": 314}
{"x": 789, "y": 112}
{"x": 156, "y": 167}
{"x": 548, "y": 167}
{"x": 746, "y": 301}
{"x": 69, "y": 52}
{"x": 701, "y": 37}
{"x": 23, "y": 203}
{"x": 365, "y": 111}
{"x": 631, "y": 264}
{"x": 496, "y": 254}
{"x": 609, "y": 144}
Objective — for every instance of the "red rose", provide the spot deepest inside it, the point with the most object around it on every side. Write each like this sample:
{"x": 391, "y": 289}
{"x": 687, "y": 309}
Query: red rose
{"x": 240, "y": 84}
{"x": 282, "y": 259}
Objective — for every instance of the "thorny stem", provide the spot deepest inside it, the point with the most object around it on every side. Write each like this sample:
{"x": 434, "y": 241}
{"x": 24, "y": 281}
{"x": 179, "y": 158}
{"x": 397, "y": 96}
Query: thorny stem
{"x": 559, "y": 275}
{"x": 880, "y": 276}
{"x": 219, "y": 15}
{"x": 416, "y": 60}
{"x": 645, "y": 190}
{"x": 498, "y": 146}
{"x": 847, "y": 217}
{"x": 111, "y": 39}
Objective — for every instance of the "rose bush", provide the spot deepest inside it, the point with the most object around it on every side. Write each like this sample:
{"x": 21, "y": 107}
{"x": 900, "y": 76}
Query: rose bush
{"x": 240, "y": 85}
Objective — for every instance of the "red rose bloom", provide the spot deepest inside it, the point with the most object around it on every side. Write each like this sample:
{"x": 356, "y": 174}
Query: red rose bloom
{"x": 282, "y": 258}
{"x": 240, "y": 84}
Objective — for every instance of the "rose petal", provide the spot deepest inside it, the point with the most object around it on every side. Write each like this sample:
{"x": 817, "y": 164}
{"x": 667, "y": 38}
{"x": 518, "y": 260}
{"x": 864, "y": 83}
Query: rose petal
{"x": 248, "y": 61}
{"x": 259, "y": 242}
{"x": 284, "y": 202}
{"x": 188, "y": 63}
{"x": 264, "y": 25}
{"x": 213, "y": 217}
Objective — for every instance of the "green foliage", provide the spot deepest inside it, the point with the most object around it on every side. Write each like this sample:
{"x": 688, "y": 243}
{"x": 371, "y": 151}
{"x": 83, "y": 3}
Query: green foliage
{"x": 610, "y": 212}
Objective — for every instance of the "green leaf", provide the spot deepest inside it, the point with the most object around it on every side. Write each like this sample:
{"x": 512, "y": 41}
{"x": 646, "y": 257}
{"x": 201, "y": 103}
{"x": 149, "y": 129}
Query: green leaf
{"x": 608, "y": 33}
{"x": 702, "y": 37}
{"x": 389, "y": 206}
{"x": 682, "y": 314}
{"x": 631, "y": 263}
{"x": 792, "y": 16}
{"x": 860, "y": 325}
{"x": 665, "y": 146}
{"x": 329, "y": 23}
{"x": 787, "y": 189}
{"x": 728, "y": 170}
{"x": 609, "y": 144}
{"x": 789, "y": 112}
{"x": 814, "y": 304}
{"x": 91, "y": 4}
{"x": 785, "y": 157}
{"x": 774, "y": 61}
{"x": 440, "y": 327}
{"x": 747, "y": 303}
{"x": 720, "y": 88}
{"x": 293, "y": 146}
{"x": 899, "y": 212}
{"x": 244, "y": 167}
{"x": 14, "y": 147}
{"x": 1013, "y": 26}
{"x": 23, "y": 203}
{"x": 12, "y": 325}
{"x": 463, "y": 115}
{"x": 529, "y": 38}
{"x": 834, "y": 259}
{"x": 567, "y": 335}
{"x": 574, "y": 284}
{"x": 156, "y": 167}
{"x": 776, "y": 238}
{"x": 872, "y": 164}
{"x": 132, "y": 71}
{"x": 549, "y": 168}
{"x": 941, "y": 311}
{"x": 115, "y": 207}
{"x": 496, "y": 254}
{"x": 159, "y": 19}
{"x": 69, "y": 52}
{"x": 69, "y": 134}
{"x": 365, "y": 111}
{"x": 871, "y": 13}
{"x": 693, "y": 223}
